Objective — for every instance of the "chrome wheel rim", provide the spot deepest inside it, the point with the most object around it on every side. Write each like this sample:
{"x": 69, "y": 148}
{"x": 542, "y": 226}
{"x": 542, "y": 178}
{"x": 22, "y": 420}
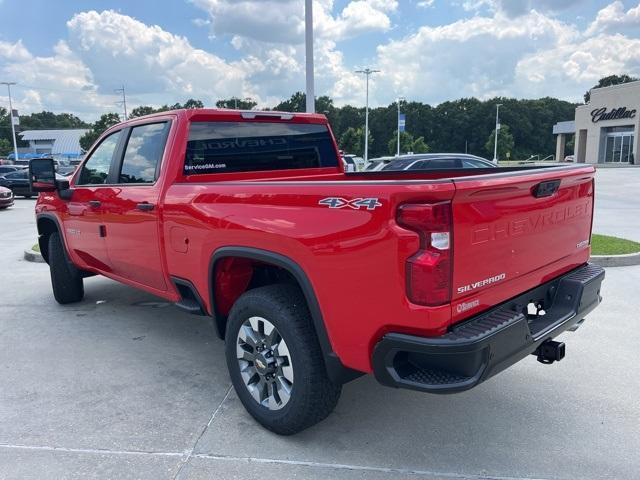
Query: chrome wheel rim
{"x": 265, "y": 363}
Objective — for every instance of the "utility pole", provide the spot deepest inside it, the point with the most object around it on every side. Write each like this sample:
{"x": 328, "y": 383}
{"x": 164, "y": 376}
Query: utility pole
{"x": 13, "y": 128}
{"x": 308, "y": 21}
{"x": 124, "y": 100}
{"x": 495, "y": 139}
{"x": 398, "y": 150}
{"x": 367, "y": 72}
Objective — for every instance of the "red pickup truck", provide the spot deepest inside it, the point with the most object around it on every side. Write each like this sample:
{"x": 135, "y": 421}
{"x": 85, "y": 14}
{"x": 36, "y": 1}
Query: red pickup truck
{"x": 432, "y": 280}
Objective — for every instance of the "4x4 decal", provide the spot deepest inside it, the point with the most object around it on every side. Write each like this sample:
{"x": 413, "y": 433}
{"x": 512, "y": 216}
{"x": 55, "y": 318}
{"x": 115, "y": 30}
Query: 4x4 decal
{"x": 355, "y": 204}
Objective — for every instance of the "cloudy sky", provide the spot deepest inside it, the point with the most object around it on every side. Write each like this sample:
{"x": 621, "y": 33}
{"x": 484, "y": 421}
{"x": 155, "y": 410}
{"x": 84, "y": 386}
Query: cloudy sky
{"x": 71, "y": 56}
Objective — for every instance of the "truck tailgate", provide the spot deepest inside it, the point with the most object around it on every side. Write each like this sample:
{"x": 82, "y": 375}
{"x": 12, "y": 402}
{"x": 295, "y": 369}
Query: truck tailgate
{"x": 508, "y": 225}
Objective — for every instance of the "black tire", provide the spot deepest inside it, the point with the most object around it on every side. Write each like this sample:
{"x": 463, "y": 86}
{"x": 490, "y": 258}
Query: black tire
{"x": 313, "y": 396}
{"x": 66, "y": 280}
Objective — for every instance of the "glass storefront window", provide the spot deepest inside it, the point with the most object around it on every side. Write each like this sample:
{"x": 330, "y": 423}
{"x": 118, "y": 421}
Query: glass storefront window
{"x": 618, "y": 147}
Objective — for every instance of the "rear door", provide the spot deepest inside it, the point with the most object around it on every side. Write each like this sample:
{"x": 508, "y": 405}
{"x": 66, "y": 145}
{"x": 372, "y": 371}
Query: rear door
{"x": 131, "y": 215}
{"x": 511, "y": 224}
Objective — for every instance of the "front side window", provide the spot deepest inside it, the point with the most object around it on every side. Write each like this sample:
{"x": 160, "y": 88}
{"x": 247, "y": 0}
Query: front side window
{"x": 143, "y": 153}
{"x": 221, "y": 147}
{"x": 96, "y": 169}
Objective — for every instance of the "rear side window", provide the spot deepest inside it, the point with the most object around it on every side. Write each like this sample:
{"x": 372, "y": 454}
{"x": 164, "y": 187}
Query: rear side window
{"x": 144, "y": 151}
{"x": 220, "y": 147}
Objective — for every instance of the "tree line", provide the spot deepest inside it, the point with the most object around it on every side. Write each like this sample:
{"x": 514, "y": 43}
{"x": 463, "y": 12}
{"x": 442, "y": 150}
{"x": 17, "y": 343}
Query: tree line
{"x": 463, "y": 125}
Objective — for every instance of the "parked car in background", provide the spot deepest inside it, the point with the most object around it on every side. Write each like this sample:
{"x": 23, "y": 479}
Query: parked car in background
{"x": 349, "y": 164}
{"x": 439, "y": 161}
{"x": 66, "y": 171}
{"x": 377, "y": 164}
{"x": 4, "y": 169}
{"x": 570, "y": 158}
{"x": 18, "y": 183}
{"x": 6, "y": 198}
{"x": 358, "y": 162}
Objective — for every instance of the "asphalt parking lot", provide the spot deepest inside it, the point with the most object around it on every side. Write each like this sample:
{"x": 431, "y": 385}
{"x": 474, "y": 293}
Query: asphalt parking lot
{"x": 123, "y": 385}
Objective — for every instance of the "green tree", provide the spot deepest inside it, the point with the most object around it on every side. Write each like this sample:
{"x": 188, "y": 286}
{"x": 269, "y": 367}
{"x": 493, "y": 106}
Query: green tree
{"x": 608, "y": 81}
{"x": 419, "y": 146}
{"x": 141, "y": 111}
{"x": 297, "y": 103}
{"x": 5, "y": 147}
{"x": 239, "y": 103}
{"x": 352, "y": 141}
{"x": 407, "y": 144}
{"x": 148, "y": 110}
{"x": 505, "y": 142}
{"x": 191, "y": 103}
{"x": 107, "y": 120}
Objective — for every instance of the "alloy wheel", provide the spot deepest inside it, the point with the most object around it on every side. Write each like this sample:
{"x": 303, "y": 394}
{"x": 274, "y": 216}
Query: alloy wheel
{"x": 265, "y": 363}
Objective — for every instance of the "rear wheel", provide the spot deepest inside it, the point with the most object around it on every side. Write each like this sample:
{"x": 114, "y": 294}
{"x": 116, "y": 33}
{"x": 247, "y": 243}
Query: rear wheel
{"x": 275, "y": 360}
{"x": 66, "y": 280}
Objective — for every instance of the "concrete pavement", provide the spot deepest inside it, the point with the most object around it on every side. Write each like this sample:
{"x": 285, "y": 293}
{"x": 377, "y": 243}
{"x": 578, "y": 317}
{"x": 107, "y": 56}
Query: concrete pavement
{"x": 123, "y": 385}
{"x": 618, "y": 202}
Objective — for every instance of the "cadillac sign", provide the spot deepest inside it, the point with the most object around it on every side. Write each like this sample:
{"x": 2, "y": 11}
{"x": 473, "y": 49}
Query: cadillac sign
{"x": 600, "y": 114}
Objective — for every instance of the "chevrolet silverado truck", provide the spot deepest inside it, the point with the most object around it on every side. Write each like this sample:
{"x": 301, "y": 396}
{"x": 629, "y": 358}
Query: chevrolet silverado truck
{"x": 431, "y": 280}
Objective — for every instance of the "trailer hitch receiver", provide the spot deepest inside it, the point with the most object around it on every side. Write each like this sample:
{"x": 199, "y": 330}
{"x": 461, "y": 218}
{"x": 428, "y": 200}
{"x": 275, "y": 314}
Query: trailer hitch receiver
{"x": 549, "y": 352}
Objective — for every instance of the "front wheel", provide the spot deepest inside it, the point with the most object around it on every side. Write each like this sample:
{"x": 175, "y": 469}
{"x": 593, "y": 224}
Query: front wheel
{"x": 66, "y": 280}
{"x": 275, "y": 360}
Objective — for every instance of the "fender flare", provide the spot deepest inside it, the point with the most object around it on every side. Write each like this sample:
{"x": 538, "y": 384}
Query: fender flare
{"x": 337, "y": 372}
{"x": 44, "y": 248}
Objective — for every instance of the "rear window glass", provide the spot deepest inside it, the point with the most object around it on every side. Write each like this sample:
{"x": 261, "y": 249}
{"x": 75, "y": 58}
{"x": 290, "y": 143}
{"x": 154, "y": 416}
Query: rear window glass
{"x": 220, "y": 147}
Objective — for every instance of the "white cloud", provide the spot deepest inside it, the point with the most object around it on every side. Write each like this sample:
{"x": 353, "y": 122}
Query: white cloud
{"x": 614, "y": 19}
{"x": 58, "y": 82}
{"x": 119, "y": 49}
{"x": 472, "y": 57}
{"x": 270, "y": 34}
{"x": 425, "y": 3}
{"x": 484, "y": 56}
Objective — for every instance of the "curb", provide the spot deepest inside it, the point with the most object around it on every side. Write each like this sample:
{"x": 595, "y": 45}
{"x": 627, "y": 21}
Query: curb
{"x": 33, "y": 256}
{"x": 616, "y": 260}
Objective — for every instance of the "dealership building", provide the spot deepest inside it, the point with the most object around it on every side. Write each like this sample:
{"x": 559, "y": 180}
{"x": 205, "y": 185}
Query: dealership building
{"x": 606, "y": 129}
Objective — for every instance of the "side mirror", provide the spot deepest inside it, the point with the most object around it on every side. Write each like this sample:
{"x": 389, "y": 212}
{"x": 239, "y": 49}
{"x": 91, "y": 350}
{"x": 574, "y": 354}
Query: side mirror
{"x": 42, "y": 175}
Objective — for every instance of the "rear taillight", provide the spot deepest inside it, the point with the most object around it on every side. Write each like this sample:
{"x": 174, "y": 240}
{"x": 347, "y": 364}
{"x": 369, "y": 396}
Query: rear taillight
{"x": 429, "y": 269}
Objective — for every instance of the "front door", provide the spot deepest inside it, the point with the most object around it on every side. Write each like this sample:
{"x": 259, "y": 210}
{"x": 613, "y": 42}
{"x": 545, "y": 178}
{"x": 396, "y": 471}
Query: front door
{"x": 131, "y": 214}
{"x": 83, "y": 223}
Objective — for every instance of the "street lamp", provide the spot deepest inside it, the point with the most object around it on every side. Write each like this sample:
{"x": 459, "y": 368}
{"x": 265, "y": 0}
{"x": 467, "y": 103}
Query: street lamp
{"x": 400, "y": 99}
{"x": 495, "y": 140}
{"x": 367, "y": 72}
{"x": 308, "y": 22}
{"x": 13, "y": 128}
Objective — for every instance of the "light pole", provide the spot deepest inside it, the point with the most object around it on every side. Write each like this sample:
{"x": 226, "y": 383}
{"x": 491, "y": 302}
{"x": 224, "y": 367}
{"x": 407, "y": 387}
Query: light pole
{"x": 400, "y": 99}
{"x": 13, "y": 128}
{"x": 495, "y": 139}
{"x": 366, "y": 72}
{"x": 308, "y": 22}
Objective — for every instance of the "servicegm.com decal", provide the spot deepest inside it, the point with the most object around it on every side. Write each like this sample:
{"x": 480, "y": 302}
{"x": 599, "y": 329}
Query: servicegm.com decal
{"x": 482, "y": 283}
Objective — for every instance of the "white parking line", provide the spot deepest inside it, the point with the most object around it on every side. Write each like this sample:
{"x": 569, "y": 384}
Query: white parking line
{"x": 273, "y": 461}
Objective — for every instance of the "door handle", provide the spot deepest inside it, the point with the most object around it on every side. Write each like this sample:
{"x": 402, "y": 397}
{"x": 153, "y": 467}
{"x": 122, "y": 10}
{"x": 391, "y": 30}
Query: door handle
{"x": 145, "y": 206}
{"x": 95, "y": 203}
